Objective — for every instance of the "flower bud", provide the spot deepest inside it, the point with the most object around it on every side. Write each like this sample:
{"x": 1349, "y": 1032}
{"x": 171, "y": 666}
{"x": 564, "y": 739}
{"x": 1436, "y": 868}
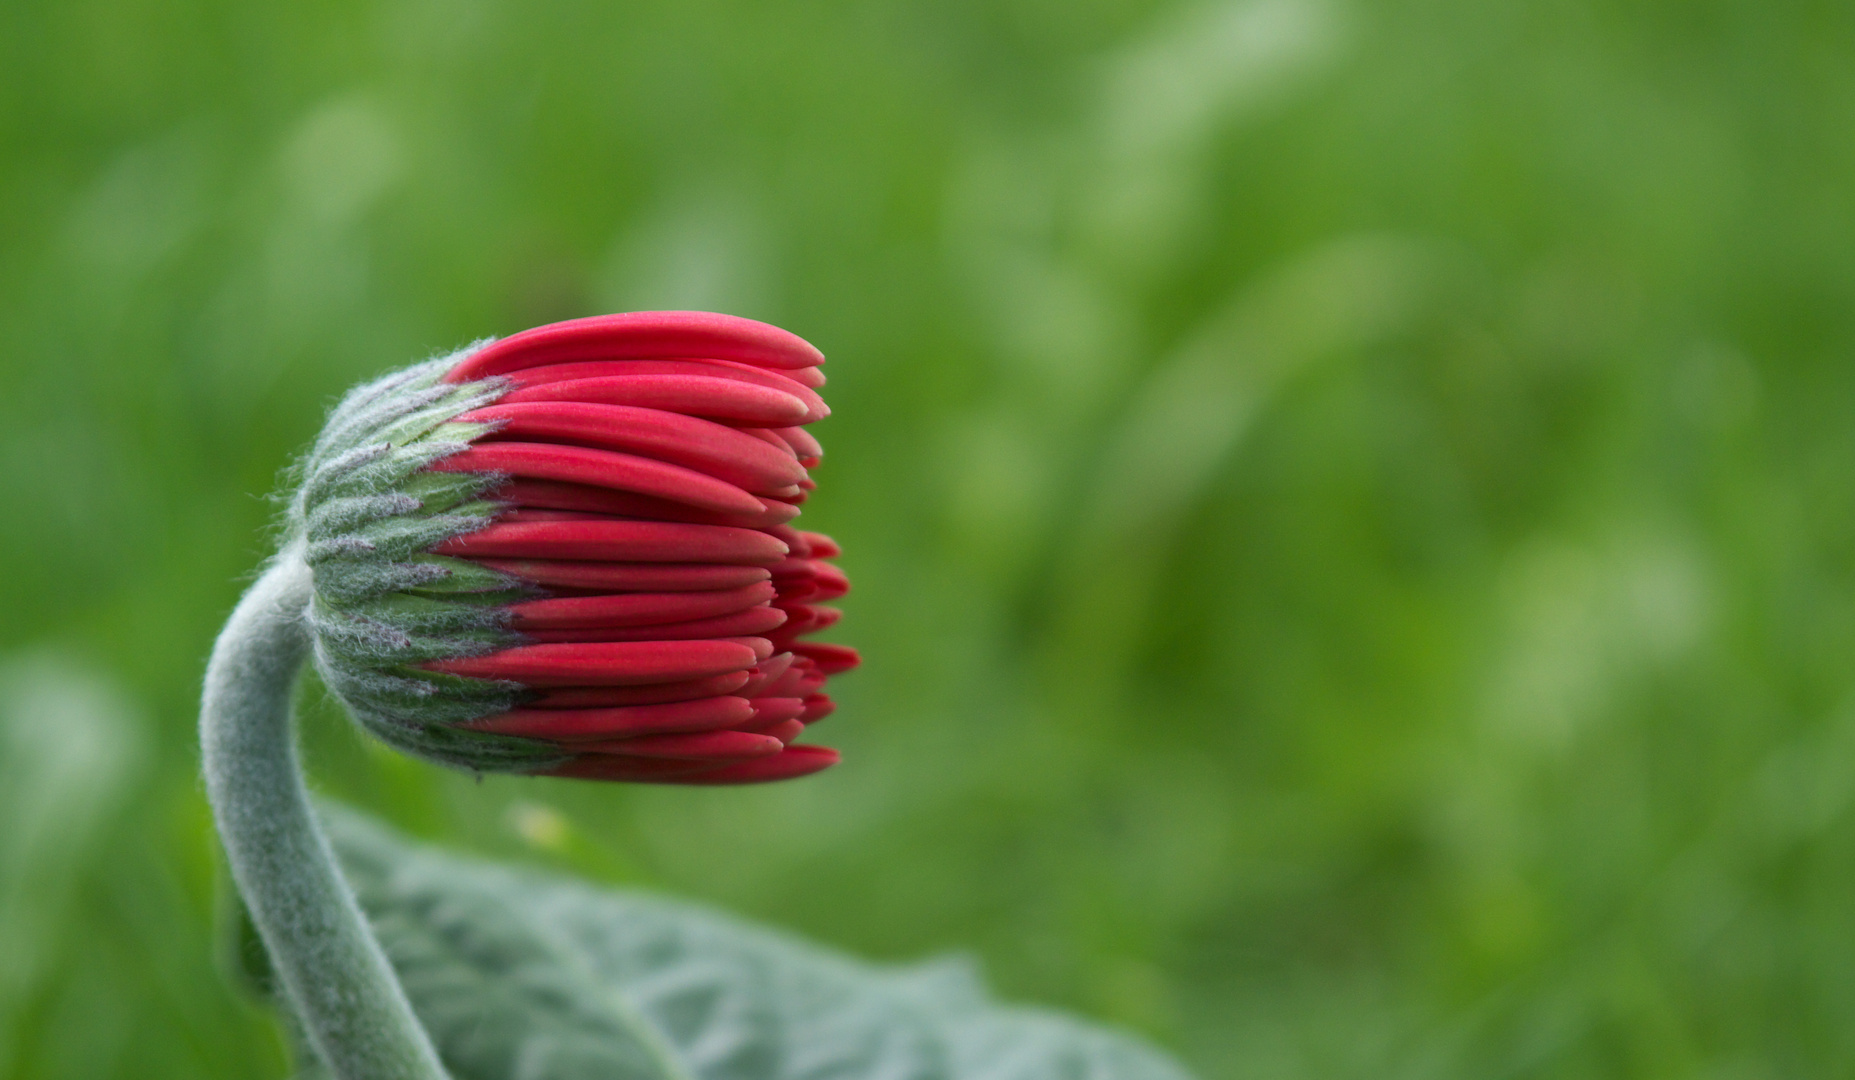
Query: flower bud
{"x": 570, "y": 553}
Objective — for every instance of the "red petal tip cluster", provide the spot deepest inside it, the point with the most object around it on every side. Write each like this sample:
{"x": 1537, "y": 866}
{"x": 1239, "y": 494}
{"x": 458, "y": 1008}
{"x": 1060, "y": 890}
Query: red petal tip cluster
{"x": 653, "y": 462}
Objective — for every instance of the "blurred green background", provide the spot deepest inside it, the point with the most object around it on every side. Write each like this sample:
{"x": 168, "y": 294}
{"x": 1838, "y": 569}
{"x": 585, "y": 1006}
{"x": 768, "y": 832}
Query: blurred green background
{"x": 1350, "y": 502}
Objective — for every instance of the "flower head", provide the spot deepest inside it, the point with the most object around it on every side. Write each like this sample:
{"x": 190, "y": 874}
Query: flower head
{"x": 570, "y": 552}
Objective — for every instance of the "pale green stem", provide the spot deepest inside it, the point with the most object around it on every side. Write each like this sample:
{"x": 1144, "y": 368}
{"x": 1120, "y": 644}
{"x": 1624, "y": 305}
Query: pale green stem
{"x": 330, "y": 966}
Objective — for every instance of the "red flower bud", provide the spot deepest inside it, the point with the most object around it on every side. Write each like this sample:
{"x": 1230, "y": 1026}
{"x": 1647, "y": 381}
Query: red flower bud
{"x": 634, "y": 477}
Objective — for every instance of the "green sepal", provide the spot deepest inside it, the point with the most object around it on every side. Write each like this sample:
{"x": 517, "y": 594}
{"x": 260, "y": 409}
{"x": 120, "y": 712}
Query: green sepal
{"x": 445, "y": 684}
{"x": 438, "y": 492}
{"x": 374, "y": 642}
{"x": 367, "y": 516}
{"x": 400, "y": 538}
{"x": 397, "y": 694}
{"x": 407, "y": 609}
{"x": 459, "y": 747}
{"x": 435, "y": 424}
{"x": 339, "y": 516}
{"x": 461, "y": 576}
{"x": 346, "y": 578}
{"x": 376, "y": 469}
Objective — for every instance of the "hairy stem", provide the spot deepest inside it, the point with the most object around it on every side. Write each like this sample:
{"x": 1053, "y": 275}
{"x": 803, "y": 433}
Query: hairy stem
{"x": 339, "y": 982}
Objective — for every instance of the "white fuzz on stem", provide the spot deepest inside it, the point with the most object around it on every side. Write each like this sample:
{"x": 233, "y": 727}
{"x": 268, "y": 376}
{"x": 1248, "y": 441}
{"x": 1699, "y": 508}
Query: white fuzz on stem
{"x": 328, "y": 963}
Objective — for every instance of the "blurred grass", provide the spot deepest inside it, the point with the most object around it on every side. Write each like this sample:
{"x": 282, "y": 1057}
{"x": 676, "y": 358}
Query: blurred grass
{"x": 1349, "y": 503}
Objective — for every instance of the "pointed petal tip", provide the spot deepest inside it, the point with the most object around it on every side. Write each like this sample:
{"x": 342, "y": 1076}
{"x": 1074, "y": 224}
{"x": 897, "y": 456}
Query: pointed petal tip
{"x": 794, "y": 762}
{"x": 641, "y": 335}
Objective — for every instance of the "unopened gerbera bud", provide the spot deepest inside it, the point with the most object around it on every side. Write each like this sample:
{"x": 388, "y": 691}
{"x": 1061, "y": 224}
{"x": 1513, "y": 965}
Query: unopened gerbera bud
{"x": 570, "y": 553}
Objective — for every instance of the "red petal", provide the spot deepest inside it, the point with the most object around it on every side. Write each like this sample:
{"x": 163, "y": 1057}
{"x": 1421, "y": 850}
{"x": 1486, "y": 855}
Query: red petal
{"x": 555, "y": 495}
{"x": 831, "y": 659}
{"x": 785, "y": 731}
{"x": 630, "y": 577}
{"x": 695, "y": 395}
{"x": 802, "y": 443}
{"x": 616, "y": 541}
{"x": 715, "y": 369}
{"x": 793, "y": 539}
{"x": 776, "y": 710}
{"x": 789, "y": 683}
{"x": 817, "y": 707}
{"x": 808, "y": 376}
{"x": 795, "y": 761}
{"x": 753, "y": 621}
{"x": 641, "y": 334}
{"x": 766, "y": 435}
{"x": 715, "y": 449}
{"x": 805, "y": 619}
{"x": 602, "y": 468}
{"x": 823, "y": 547}
{"x": 606, "y": 663}
{"x": 637, "y": 770}
{"x": 788, "y": 382}
{"x": 799, "y": 683}
{"x": 638, "y": 608}
{"x": 570, "y": 725}
{"x": 697, "y": 746}
{"x": 794, "y": 567}
{"x": 762, "y": 647}
{"x": 828, "y": 583}
{"x": 808, "y": 580}
{"x": 770, "y": 669}
{"x": 599, "y": 697}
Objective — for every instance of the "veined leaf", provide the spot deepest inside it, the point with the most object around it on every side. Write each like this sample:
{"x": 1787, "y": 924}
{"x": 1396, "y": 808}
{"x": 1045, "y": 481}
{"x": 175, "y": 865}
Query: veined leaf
{"x": 524, "y": 976}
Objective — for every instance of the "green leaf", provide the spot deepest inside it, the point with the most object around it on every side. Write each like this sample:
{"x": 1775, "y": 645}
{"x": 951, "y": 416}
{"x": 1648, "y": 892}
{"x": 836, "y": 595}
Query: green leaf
{"x": 523, "y": 976}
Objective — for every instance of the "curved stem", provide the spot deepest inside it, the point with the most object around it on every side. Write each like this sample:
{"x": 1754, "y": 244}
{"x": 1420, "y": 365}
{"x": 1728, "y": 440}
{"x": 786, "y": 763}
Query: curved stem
{"x": 333, "y": 971}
